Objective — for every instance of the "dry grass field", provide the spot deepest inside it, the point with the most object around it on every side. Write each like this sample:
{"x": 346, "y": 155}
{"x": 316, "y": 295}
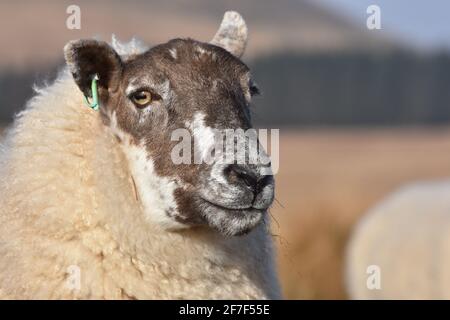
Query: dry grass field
{"x": 327, "y": 179}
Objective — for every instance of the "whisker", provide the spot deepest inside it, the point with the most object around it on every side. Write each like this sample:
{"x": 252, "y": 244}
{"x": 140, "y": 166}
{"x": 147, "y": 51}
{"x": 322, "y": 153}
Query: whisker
{"x": 281, "y": 205}
{"x": 276, "y": 221}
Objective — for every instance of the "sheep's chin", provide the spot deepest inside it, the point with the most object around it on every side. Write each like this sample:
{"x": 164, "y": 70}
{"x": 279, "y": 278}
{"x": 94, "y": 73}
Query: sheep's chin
{"x": 231, "y": 222}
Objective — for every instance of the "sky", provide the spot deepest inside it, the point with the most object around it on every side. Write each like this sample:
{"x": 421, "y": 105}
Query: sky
{"x": 425, "y": 23}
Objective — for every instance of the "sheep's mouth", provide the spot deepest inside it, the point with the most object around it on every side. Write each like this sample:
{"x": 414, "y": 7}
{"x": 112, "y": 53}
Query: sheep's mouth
{"x": 219, "y": 206}
{"x": 230, "y": 221}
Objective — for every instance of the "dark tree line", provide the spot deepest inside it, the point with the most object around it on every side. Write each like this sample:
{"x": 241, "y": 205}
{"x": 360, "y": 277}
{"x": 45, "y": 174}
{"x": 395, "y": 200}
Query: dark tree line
{"x": 353, "y": 89}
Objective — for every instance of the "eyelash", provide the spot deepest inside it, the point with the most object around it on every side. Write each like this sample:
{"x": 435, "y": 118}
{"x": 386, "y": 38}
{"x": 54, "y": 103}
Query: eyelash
{"x": 145, "y": 89}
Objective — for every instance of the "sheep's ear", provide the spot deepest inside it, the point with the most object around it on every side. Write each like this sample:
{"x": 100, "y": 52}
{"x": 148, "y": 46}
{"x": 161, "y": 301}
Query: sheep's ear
{"x": 88, "y": 58}
{"x": 232, "y": 34}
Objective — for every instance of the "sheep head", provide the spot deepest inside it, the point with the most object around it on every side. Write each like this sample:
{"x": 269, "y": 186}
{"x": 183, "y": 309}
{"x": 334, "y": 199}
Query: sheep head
{"x": 182, "y": 86}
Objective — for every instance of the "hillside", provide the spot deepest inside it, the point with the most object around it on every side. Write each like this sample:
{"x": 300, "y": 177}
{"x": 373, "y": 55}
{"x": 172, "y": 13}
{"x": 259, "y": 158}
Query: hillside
{"x": 35, "y": 31}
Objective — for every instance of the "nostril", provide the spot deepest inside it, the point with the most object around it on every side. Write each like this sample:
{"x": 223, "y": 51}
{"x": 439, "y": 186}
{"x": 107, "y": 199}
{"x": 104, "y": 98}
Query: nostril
{"x": 264, "y": 181}
{"x": 248, "y": 180}
{"x": 237, "y": 173}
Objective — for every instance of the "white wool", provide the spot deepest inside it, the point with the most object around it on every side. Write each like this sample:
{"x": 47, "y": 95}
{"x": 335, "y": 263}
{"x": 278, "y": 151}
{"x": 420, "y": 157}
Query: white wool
{"x": 132, "y": 47}
{"x": 407, "y": 237}
{"x": 173, "y": 52}
{"x": 67, "y": 202}
{"x": 156, "y": 193}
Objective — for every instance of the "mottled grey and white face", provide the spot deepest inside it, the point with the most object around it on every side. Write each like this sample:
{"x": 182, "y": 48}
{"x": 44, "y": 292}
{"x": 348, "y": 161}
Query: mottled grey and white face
{"x": 189, "y": 85}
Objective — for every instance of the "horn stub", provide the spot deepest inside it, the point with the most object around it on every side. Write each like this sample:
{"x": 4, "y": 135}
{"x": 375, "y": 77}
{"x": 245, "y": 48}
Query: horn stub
{"x": 232, "y": 34}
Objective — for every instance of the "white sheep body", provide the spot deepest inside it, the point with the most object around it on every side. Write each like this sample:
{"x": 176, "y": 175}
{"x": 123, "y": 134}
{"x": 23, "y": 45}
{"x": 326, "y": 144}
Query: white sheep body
{"x": 67, "y": 200}
{"x": 408, "y": 237}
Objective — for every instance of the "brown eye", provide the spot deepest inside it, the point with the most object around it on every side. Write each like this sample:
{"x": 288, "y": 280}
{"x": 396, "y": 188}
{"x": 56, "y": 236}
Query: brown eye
{"x": 142, "y": 98}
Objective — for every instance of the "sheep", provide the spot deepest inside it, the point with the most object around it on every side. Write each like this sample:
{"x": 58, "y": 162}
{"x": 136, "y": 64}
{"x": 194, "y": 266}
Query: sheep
{"x": 404, "y": 241}
{"x": 91, "y": 205}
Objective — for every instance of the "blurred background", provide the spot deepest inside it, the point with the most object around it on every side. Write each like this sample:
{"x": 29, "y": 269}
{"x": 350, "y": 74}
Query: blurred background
{"x": 361, "y": 112}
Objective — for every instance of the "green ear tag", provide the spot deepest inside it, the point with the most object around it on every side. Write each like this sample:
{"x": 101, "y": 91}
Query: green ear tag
{"x": 94, "y": 104}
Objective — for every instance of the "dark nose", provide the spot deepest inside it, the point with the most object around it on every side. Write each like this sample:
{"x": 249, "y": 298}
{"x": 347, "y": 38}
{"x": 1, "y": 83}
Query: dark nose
{"x": 239, "y": 174}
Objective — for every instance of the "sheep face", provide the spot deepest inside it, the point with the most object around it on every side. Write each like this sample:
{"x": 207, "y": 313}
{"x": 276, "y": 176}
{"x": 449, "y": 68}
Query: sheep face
{"x": 182, "y": 86}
